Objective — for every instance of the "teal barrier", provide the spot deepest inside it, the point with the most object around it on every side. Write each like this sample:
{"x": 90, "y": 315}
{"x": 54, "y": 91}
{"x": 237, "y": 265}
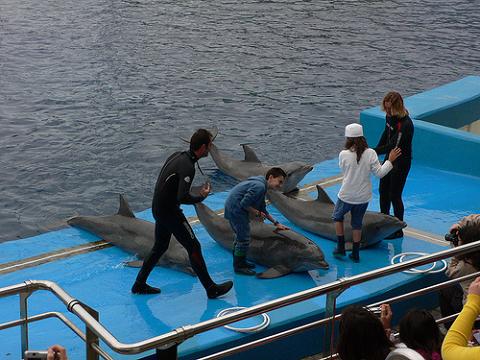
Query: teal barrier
{"x": 437, "y": 114}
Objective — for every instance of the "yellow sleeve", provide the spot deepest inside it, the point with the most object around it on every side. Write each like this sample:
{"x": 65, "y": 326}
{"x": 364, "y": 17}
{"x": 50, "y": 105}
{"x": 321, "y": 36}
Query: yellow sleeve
{"x": 454, "y": 345}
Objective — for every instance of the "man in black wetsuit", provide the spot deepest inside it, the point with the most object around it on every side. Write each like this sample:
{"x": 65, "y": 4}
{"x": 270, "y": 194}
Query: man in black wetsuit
{"x": 398, "y": 133}
{"x": 171, "y": 190}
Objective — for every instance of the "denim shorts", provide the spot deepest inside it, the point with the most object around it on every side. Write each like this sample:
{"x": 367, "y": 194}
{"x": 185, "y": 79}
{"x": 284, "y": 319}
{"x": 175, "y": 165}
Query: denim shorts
{"x": 357, "y": 212}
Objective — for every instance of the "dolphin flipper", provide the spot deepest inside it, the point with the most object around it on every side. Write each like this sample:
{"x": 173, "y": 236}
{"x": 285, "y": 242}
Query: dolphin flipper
{"x": 274, "y": 272}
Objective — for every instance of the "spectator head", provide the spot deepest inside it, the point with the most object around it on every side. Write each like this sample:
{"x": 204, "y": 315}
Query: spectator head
{"x": 469, "y": 231}
{"x": 362, "y": 336}
{"x": 419, "y": 331}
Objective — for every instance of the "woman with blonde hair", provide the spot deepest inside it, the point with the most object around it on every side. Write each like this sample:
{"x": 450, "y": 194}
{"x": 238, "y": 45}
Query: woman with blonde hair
{"x": 398, "y": 133}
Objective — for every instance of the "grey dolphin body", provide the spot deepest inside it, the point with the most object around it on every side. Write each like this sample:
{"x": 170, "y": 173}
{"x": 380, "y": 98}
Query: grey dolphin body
{"x": 133, "y": 235}
{"x": 252, "y": 166}
{"x": 316, "y": 217}
{"x": 282, "y": 252}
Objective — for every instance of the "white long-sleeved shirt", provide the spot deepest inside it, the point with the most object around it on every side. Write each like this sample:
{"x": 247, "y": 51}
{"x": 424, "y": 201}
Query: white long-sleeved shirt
{"x": 356, "y": 186}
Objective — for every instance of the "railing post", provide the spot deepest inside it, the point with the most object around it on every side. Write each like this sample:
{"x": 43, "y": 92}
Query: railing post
{"x": 330, "y": 307}
{"x": 169, "y": 353}
{"x": 92, "y": 338}
{"x": 24, "y": 316}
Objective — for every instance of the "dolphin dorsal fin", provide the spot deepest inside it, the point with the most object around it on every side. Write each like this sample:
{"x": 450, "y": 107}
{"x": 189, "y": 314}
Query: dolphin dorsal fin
{"x": 124, "y": 208}
{"x": 250, "y": 155}
{"x": 323, "y": 196}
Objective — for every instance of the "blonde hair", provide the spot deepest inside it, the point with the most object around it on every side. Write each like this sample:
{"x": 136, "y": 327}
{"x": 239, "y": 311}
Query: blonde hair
{"x": 393, "y": 101}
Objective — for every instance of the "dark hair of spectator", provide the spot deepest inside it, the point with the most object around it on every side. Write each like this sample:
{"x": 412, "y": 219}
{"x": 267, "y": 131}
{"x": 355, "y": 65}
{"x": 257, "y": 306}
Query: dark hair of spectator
{"x": 362, "y": 336}
{"x": 199, "y": 138}
{"x": 359, "y": 144}
{"x": 275, "y": 172}
{"x": 419, "y": 331}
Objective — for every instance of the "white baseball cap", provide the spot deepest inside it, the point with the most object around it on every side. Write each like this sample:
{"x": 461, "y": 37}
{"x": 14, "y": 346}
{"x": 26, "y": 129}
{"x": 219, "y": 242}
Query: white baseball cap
{"x": 353, "y": 130}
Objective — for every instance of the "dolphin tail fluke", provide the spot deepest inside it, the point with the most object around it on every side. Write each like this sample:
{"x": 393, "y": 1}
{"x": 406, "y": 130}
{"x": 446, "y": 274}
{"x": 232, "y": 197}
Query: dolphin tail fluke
{"x": 274, "y": 272}
{"x": 71, "y": 220}
{"x": 250, "y": 155}
{"x": 124, "y": 208}
{"x": 323, "y": 196}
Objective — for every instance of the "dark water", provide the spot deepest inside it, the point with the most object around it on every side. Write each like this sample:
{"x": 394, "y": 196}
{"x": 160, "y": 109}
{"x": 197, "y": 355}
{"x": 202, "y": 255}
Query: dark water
{"x": 95, "y": 94}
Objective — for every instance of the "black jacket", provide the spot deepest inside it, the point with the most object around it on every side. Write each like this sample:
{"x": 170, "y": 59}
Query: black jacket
{"x": 173, "y": 184}
{"x": 393, "y": 127}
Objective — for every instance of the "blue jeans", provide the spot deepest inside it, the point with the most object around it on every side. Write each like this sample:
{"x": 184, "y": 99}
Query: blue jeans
{"x": 357, "y": 212}
{"x": 241, "y": 241}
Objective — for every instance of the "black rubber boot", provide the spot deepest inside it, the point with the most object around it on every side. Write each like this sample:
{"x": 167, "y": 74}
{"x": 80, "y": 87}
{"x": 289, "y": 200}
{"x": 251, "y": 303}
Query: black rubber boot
{"x": 143, "y": 289}
{"x": 340, "y": 248}
{"x": 217, "y": 290}
{"x": 249, "y": 264}
{"x": 355, "y": 256}
{"x": 240, "y": 265}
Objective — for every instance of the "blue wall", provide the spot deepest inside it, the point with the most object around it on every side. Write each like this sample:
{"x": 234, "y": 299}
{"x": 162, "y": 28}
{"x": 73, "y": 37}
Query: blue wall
{"x": 437, "y": 114}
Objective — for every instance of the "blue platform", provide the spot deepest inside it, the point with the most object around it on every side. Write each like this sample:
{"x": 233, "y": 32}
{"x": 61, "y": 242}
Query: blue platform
{"x": 434, "y": 199}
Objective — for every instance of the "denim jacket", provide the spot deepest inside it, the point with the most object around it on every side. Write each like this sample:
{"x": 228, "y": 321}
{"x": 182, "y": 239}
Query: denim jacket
{"x": 250, "y": 192}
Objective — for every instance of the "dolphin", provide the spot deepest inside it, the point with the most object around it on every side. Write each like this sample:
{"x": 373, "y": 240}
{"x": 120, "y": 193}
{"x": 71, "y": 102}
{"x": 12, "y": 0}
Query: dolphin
{"x": 133, "y": 235}
{"x": 252, "y": 166}
{"x": 282, "y": 252}
{"x": 316, "y": 216}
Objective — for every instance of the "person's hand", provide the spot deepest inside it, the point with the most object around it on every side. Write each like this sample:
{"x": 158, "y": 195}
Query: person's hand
{"x": 280, "y": 227}
{"x": 454, "y": 228}
{"x": 205, "y": 190}
{"x": 261, "y": 215}
{"x": 386, "y": 316}
{"x": 57, "y": 352}
{"x": 394, "y": 154}
{"x": 474, "y": 287}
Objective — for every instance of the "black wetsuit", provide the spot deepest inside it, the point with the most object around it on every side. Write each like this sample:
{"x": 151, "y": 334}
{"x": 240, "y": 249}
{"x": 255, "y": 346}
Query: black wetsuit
{"x": 392, "y": 184}
{"x": 171, "y": 190}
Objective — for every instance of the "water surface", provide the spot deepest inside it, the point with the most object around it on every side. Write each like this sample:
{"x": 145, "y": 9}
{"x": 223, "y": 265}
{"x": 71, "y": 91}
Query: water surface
{"x": 94, "y": 95}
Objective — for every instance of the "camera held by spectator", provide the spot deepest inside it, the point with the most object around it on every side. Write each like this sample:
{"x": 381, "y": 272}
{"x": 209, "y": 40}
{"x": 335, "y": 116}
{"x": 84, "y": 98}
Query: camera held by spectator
{"x": 452, "y": 237}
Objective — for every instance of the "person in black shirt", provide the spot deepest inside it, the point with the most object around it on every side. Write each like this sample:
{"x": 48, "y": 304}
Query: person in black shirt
{"x": 398, "y": 133}
{"x": 171, "y": 190}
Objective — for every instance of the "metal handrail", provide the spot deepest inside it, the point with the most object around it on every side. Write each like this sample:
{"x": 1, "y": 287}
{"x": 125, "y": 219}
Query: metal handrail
{"x": 182, "y": 333}
{"x": 43, "y": 316}
{"x": 317, "y": 323}
{"x": 61, "y": 317}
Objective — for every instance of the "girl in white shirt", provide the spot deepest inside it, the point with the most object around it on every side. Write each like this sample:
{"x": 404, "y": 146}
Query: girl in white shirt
{"x": 357, "y": 161}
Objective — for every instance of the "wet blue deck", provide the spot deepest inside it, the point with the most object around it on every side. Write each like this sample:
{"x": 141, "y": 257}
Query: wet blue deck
{"x": 433, "y": 199}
